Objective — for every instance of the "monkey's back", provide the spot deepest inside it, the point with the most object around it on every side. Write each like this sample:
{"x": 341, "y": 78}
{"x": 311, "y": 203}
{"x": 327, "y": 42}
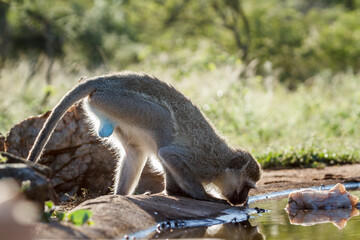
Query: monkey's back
{"x": 191, "y": 128}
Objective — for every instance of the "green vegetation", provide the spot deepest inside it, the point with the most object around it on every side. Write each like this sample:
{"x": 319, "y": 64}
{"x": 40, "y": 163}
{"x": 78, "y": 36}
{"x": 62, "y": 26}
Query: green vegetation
{"x": 277, "y": 77}
{"x": 3, "y": 159}
{"x": 81, "y": 216}
{"x": 25, "y": 185}
{"x": 78, "y": 217}
{"x": 316, "y": 123}
{"x": 306, "y": 158}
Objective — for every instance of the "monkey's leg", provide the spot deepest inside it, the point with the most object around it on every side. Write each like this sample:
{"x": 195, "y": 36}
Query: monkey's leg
{"x": 129, "y": 170}
{"x": 186, "y": 179}
{"x": 114, "y": 107}
{"x": 171, "y": 186}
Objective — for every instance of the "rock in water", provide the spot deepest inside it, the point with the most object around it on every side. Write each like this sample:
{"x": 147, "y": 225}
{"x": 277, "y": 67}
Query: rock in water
{"x": 335, "y": 198}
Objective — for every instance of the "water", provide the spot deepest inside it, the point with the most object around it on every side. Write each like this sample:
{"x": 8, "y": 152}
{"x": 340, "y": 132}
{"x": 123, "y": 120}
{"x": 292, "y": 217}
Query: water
{"x": 274, "y": 224}
{"x": 242, "y": 230}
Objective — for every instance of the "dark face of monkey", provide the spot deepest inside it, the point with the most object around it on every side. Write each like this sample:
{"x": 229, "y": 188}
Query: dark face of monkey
{"x": 239, "y": 197}
{"x": 243, "y": 173}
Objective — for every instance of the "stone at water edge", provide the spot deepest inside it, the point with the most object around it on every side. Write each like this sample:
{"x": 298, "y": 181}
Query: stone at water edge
{"x": 336, "y": 197}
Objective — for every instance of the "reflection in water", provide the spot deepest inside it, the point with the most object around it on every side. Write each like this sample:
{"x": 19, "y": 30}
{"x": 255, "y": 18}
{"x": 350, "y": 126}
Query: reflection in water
{"x": 275, "y": 225}
{"x": 242, "y": 230}
{"x": 338, "y": 217}
{"x": 308, "y": 207}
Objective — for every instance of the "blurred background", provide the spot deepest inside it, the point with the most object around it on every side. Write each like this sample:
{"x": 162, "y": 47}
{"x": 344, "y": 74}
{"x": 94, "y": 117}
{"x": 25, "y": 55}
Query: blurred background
{"x": 279, "y": 77}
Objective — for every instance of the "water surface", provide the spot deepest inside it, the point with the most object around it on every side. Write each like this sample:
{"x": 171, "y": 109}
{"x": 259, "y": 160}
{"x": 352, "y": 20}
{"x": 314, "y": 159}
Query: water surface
{"x": 274, "y": 224}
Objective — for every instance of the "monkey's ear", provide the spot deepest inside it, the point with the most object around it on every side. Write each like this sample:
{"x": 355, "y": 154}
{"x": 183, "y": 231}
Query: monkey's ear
{"x": 237, "y": 163}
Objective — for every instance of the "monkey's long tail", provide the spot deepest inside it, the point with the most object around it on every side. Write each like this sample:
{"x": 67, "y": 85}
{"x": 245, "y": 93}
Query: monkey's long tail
{"x": 77, "y": 93}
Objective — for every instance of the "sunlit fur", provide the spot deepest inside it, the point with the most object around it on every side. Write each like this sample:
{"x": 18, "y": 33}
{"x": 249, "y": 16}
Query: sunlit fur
{"x": 142, "y": 117}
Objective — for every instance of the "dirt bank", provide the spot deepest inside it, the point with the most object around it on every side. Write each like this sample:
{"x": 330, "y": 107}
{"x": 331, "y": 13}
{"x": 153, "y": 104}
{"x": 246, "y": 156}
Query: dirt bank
{"x": 276, "y": 180}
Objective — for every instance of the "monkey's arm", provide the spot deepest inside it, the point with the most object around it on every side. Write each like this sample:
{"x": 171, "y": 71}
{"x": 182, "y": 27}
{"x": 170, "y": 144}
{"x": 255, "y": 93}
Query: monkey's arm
{"x": 186, "y": 179}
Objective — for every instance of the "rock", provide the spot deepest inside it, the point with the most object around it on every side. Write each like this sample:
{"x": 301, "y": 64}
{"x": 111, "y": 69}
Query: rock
{"x": 2, "y": 142}
{"x": 77, "y": 158}
{"x": 116, "y": 216}
{"x": 73, "y": 154}
{"x": 150, "y": 181}
{"x": 17, "y": 214}
{"x": 21, "y": 170}
{"x": 42, "y": 169}
{"x": 35, "y": 186}
{"x": 336, "y": 197}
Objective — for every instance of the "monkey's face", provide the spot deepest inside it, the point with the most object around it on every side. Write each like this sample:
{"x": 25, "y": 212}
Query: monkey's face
{"x": 239, "y": 196}
{"x": 236, "y": 189}
{"x": 241, "y": 176}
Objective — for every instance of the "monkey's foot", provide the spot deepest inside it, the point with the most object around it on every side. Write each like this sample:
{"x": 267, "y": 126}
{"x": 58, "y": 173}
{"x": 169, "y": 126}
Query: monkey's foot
{"x": 217, "y": 200}
{"x": 183, "y": 194}
{"x": 179, "y": 192}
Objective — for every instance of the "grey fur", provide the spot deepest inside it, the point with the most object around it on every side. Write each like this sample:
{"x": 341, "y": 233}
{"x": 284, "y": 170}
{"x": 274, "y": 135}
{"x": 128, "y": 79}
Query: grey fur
{"x": 152, "y": 118}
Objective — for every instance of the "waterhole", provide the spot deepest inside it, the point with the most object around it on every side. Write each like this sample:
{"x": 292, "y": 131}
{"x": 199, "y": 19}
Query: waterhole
{"x": 275, "y": 223}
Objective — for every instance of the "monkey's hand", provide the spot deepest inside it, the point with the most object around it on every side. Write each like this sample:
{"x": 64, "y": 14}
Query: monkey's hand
{"x": 179, "y": 172}
{"x": 218, "y": 200}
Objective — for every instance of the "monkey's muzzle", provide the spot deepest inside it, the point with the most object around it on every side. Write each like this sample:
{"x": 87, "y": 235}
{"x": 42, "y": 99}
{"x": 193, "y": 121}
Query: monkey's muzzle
{"x": 237, "y": 199}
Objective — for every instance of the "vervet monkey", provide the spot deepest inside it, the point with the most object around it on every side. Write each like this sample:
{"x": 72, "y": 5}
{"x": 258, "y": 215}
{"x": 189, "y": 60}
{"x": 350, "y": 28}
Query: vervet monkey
{"x": 146, "y": 117}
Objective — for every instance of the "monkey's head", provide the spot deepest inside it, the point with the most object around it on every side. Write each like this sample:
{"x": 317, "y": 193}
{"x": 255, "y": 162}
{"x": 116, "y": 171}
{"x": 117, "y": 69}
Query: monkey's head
{"x": 239, "y": 177}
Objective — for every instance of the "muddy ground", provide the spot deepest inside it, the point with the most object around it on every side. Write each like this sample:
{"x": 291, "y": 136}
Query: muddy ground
{"x": 277, "y": 180}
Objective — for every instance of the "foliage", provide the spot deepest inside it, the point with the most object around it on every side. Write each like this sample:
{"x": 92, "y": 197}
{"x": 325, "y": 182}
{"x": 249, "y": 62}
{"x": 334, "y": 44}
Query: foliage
{"x": 34, "y": 28}
{"x": 3, "y": 159}
{"x": 77, "y": 217}
{"x": 263, "y": 113}
{"x": 278, "y": 77}
{"x": 256, "y": 113}
{"x": 49, "y": 210}
{"x": 305, "y": 158}
{"x": 81, "y": 216}
{"x": 25, "y": 185}
{"x": 292, "y": 35}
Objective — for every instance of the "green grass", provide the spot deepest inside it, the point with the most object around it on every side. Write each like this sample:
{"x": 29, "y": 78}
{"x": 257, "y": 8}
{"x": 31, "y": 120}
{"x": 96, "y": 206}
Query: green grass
{"x": 315, "y": 125}
{"x": 305, "y": 158}
{"x": 318, "y": 124}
